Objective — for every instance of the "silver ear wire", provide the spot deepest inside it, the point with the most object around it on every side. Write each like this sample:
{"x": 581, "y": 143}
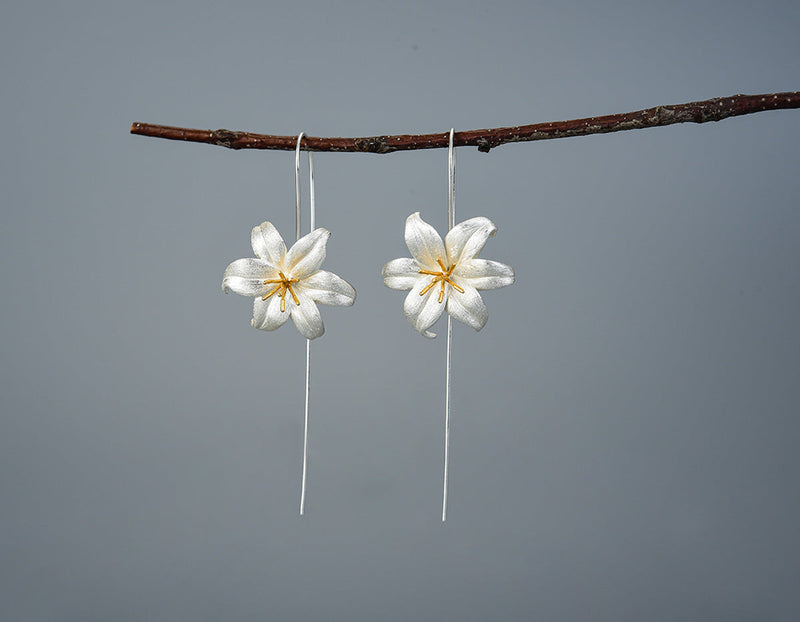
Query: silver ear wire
{"x": 451, "y": 217}
{"x": 312, "y": 219}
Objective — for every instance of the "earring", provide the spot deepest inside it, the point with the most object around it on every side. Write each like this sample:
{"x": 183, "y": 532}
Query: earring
{"x": 290, "y": 283}
{"x": 446, "y": 276}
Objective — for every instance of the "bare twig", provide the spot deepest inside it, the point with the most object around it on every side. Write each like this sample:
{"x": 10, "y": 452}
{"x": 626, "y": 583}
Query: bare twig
{"x": 693, "y": 112}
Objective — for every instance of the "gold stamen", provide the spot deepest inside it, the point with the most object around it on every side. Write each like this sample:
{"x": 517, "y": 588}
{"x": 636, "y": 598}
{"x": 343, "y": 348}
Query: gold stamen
{"x": 277, "y": 287}
{"x": 442, "y": 278}
{"x": 282, "y": 285}
{"x": 291, "y": 291}
{"x": 428, "y": 287}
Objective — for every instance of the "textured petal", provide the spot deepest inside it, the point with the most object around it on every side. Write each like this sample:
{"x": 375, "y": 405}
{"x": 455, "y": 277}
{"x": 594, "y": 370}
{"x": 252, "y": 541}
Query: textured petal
{"x": 468, "y": 307}
{"x": 423, "y": 311}
{"x": 484, "y": 274}
{"x": 247, "y": 276}
{"x": 424, "y": 243}
{"x": 267, "y": 313}
{"x": 466, "y": 239}
{"x": 307, "y": 254}
{"x": 328, "y": 289}
{"x": 402, "y": 273}
{"x": 267, "y": 243}
{"x": 306, "y": 316}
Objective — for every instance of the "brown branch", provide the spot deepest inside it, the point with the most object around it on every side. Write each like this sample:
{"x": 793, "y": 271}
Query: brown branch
{"x": 693, "y": 112}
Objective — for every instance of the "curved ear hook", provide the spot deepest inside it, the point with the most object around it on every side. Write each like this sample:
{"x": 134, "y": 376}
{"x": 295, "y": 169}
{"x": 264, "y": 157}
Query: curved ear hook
{"x": 451, "y": 194}
{"x": 297, "y": 186}
{"x": 297, "y": 183}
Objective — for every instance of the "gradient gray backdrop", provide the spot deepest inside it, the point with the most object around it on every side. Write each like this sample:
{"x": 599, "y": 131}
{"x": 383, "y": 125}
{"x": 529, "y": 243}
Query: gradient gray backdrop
{"x": 625, "y": 428}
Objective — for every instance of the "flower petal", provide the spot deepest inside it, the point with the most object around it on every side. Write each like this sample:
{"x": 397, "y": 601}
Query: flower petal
{"x": 246, "y": 276}
{"x": 484, "y": 273}
{"x": 306, "y": 316}
{"x": 402, "y": 273}
{"x": 466, "y": 239}
{"x": 422, "y": 311}
{"x": 424, "y": 243}
{"x": 468, "y": 307}
{"x": 267, "y": 243}
{"x": 267, "y": 313}
{"x": 328, "y": 289}
{"x": 307, "y": 254}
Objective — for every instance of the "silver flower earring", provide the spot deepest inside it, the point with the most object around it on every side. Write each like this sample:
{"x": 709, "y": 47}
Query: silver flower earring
{"x": 289, "y": 284}
{"x": 446, "y": 276}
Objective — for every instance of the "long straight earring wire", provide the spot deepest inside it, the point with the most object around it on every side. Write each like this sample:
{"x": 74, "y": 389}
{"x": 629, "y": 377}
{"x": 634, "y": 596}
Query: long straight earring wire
{"x": 312, "y": 221}
{"x": 451, "y": 217}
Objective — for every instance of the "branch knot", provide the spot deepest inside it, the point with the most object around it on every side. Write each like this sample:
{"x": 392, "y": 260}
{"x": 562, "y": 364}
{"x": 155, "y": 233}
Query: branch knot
{"x": 373, "y": 144}
{"x": 226, "y": 138}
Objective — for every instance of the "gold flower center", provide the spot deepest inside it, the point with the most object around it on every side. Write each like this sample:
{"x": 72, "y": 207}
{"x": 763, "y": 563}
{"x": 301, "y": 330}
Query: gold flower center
{"x": 282, "y": 285}
{"x": 440, "y": 277}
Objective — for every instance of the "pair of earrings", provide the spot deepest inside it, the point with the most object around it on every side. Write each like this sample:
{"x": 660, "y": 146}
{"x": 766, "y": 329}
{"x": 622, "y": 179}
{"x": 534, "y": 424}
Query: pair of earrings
{"x": 442, "y": 275}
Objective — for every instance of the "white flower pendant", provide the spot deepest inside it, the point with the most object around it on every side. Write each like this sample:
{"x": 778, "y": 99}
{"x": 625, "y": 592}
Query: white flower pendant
{"x": 287, "y": 283}
{"x": 446, "y": 276}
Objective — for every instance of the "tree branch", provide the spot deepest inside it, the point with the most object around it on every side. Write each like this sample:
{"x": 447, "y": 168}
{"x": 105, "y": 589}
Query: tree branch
{"x": 694, "y": 112}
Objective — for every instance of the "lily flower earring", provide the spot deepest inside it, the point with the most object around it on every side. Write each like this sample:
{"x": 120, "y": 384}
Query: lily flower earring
{"x": 290, "y": 283}
{"x": 446, "y": 276}
{"x": 287, "y": 284}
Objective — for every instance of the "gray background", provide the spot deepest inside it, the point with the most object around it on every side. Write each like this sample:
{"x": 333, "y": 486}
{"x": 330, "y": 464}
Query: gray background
{"x": 625, "y": 428}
